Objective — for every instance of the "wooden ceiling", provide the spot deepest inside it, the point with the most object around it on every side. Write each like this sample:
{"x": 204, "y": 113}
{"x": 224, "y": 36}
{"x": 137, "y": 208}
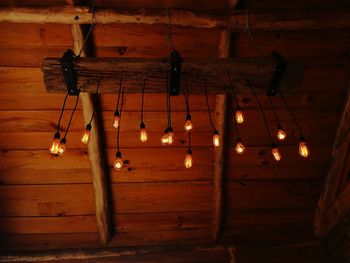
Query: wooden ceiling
{"x": 48, "y": 203}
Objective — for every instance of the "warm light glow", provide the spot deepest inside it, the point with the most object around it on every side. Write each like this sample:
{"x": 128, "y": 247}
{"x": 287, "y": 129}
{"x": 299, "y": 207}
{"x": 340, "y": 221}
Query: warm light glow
{"x": 216, "y": 140}
{"x": 239, "y": 147}
{"x": 276, "y": 154}
{"x": 62, "y": 148}
{"x": 239, "y": 115}
{"x": 165, "y": 139}
{"x": 86, "y": 136}
{"x": 116, "y": 122}
{"x": 188, "y": 125}
{"x": 143, "y": 135}
{"x": 188, "y": 160}
{"x": 118, "y": 163}
{"x": 281, "y": 135}
{"x": 170, "y": 137}
{"x": 55, "y": 147}
{"x": 303, "y": 149}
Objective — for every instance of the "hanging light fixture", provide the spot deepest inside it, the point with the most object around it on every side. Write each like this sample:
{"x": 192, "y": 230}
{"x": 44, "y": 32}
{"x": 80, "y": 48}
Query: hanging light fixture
{"x": 275, "y": 152}
{"x": 239, "y": 117}
{"x": 168, "y": 137}
{"x": 143, "y": 136}
{"x": 216, "y": 136}
{"x": 118, "y": 163}
{"x": 238, "y": 113}
{"x": 303, "y": 149}
{"x": 116, "y": 121}
{"x": 188, "y": 162}
{"x": 239, "y": 146}
{"x": 188, "y": 123}
{"x": 281, "y": 134}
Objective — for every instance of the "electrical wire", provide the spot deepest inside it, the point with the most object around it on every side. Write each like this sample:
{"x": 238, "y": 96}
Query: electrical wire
{"x": 291, "y": 114}
{"x": 142, "y": 100}
{"x": 119, "y": 92}
{"x": 208, "y": 107}
{"x": 120, "y": 116}
{"x": 93, "y": 113}
{"x": 186, "y": 96}
{"x": 60, "y": 118}
{"x": 235, "y": 122}
{"x": 168, "y": 103}
{"x": 71, "y": 116}
{"x": 274, "y": 112}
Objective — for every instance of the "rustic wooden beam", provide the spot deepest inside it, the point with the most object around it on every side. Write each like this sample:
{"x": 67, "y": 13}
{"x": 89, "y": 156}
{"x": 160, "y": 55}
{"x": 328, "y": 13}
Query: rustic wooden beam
{"x": 90, "y": 70}
{"x": 334, "y": 203}
{"x": 265, "y": 21}
{"x": 98, "y": 171}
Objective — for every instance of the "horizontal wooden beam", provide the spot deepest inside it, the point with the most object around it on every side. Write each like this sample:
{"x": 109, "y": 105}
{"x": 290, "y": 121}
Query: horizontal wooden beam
{"x": 108, "y": 70}
{"x": 271, "y": 21}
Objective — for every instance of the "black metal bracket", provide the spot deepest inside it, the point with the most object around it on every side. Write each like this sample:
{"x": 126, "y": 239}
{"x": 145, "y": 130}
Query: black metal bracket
{"x": 69, "y": 74}
{"x": 281, "y": 66}
{"x": 175, "y": 73}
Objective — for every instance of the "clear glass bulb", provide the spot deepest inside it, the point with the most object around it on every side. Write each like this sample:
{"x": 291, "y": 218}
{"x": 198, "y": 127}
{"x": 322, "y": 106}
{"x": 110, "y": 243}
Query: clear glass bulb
{"x": 55, "y": 147}
{"x": 116, "y": 122}
{"x": 239, "y": 115}
{"x": 170, "y": 137}
{"x": 303, "y": 149}
{"x": 188, "y": 162}
{"x": 143, "y": 135}
{"x": 281, "y": 135}
{"x": 62, "y": 148}
{"x": 86, "y": 136}
{"x": 118, "y": 163}
{"x": 216, "y": 140}
{"x": 165, "y": 139}
{"x": 188, "y": 125}
{"x": 276, "y": 153}
{"x": 239, "y": 147}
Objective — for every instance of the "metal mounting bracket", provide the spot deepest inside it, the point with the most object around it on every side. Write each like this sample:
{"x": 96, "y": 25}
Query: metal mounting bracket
{"x": 68, "y": 71}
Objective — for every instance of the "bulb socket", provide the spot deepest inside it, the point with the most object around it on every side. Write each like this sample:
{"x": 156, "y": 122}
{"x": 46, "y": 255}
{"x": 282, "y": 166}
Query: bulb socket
{"x": 88, "y": 127}
{"x": 116, "y": 113}
{"x": 118, "y": 155}
{"x": 142, "y": 125}
{"x": 63, "y": 140}
{"x": 239, "y": 140}
{"x": 57, "y": 135}
{"x": 188, "y": 117}
{"x": 189, "y": 151}
{"x": 238, "y": 108}
{"x": 216, "y": 132}
{"x": 170, "y": 129}
{"x": 302, "y": 139}
{"x": 273, "y": 145}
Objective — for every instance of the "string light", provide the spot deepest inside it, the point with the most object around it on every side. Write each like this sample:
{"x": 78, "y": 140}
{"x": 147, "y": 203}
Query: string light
{"x": 304, "y": 150}
{"x": 168, "y": 137}
{"x": 276, "y": 153}
{"x": 239, "y": 146}
{"x": 188, "y": 123}
{"x": 281, "y": 134}
{"x": 238, "y": 113}
{"x": 143, "y": 136}
{"x": 239, "y": 117}
{"x": 118, "y": 163}
{"x": 116, "y": 121}
{"x": 216, "y": 136}
{"x": 188, "y": 162}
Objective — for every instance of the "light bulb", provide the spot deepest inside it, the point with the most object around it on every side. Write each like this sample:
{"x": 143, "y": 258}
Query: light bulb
{"x": 281, "y": 134}
{"x": 116, "y": 119}
{"x": 118, "y": 163}
{"x": 170, "y": 135}
{"x": 216, "y": 139}
{"x": 143, "y": 133}
{"x": 62, "y": 148}
{"x": 86, "y": 136}
{"x": 239, "y": 115}
{"x": 276, "y": 153}
{"x": 188, "y": 124}
{"x": 55, "y": 147}
{"x": 239, "y": 147}
{"x": 303, "y": 149}
{"x": 188, "y": 159}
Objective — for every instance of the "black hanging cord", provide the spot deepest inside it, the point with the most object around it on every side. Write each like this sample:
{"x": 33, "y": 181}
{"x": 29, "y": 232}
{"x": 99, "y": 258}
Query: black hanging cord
{"x": 291, "y": 114}
{"x": 235, "y": 123}
{"x": 93, "y": 113}
{"x": 261, "y": 109}
{"x": 168, "y": 100}
{"x": 120, "y": 90}
{"x": 71, "y": 116}
{"x": 142, "y": 100}
{"x": 274, "y": 112}
{"x": 186, "y": 96}
{"x": 121, "y": 109}
{"x": 208, "y": 107}
{"x": 60, "y": 118}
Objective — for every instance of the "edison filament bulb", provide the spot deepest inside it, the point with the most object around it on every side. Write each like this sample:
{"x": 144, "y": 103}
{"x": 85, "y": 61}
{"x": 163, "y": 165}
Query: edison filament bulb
{"x": 239, "y": 115}
{"x": 216, "y": 139}
{"x": 188, "y": 159}
{"x": 143, "y": 136}
{"x": 62, "y": 146}
{"x": 170, "y": 135}
{"x": 55, "y": 147}
{"x": 116, "y": 122}
{"x": 239, "y": 147}
{"x": 188, "y": 124}
{"x": 86, "y": 135}
{"x": 118, "y": 163}
{"x": 165, "y": 138}
{"x": 276, "y": 153}
{"x": 303, "y": 149}
{"x": 281, "y": 134}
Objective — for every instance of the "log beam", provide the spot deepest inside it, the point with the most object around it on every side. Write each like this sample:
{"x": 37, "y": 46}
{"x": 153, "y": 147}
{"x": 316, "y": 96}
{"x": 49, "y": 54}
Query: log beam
{"x": 98, "y": 171}
{"x": 259, "y": 21}
{"x": 90, "y": 70}
{"x": 334, "y": 203}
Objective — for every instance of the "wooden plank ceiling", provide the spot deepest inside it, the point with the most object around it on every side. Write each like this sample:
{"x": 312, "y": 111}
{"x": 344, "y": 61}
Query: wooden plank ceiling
{"x": 48, "y": 202}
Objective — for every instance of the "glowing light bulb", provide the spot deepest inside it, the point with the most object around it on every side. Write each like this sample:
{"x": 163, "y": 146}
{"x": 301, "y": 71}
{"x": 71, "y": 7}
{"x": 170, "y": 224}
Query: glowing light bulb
{"x": 276, "y": 153}
{"x": 239, "y": 115}
{"x": 118, "y": 163}
{"x": 281, "y": 134}
{"x": 239, "y": 147}
{"x": 188, "y": 124}
{"x": 55, "y": 147}
{"x": 86, "y": 136}
{"x": 116, "y": 119}
{"x": 303, "y": 149}
{"x": 170, "y": 135}
{"x": 216, "y": 139}
{"x": 188, "y": 162}
{"x": 143, "y": 133}
{"x": 62, "y": 148}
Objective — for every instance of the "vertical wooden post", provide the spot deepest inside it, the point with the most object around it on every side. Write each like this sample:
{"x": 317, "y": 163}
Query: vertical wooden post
{"x": 99, "y": 177}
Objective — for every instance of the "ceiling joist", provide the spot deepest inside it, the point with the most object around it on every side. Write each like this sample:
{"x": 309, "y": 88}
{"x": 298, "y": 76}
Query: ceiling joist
{"x": 263, "y": 21}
